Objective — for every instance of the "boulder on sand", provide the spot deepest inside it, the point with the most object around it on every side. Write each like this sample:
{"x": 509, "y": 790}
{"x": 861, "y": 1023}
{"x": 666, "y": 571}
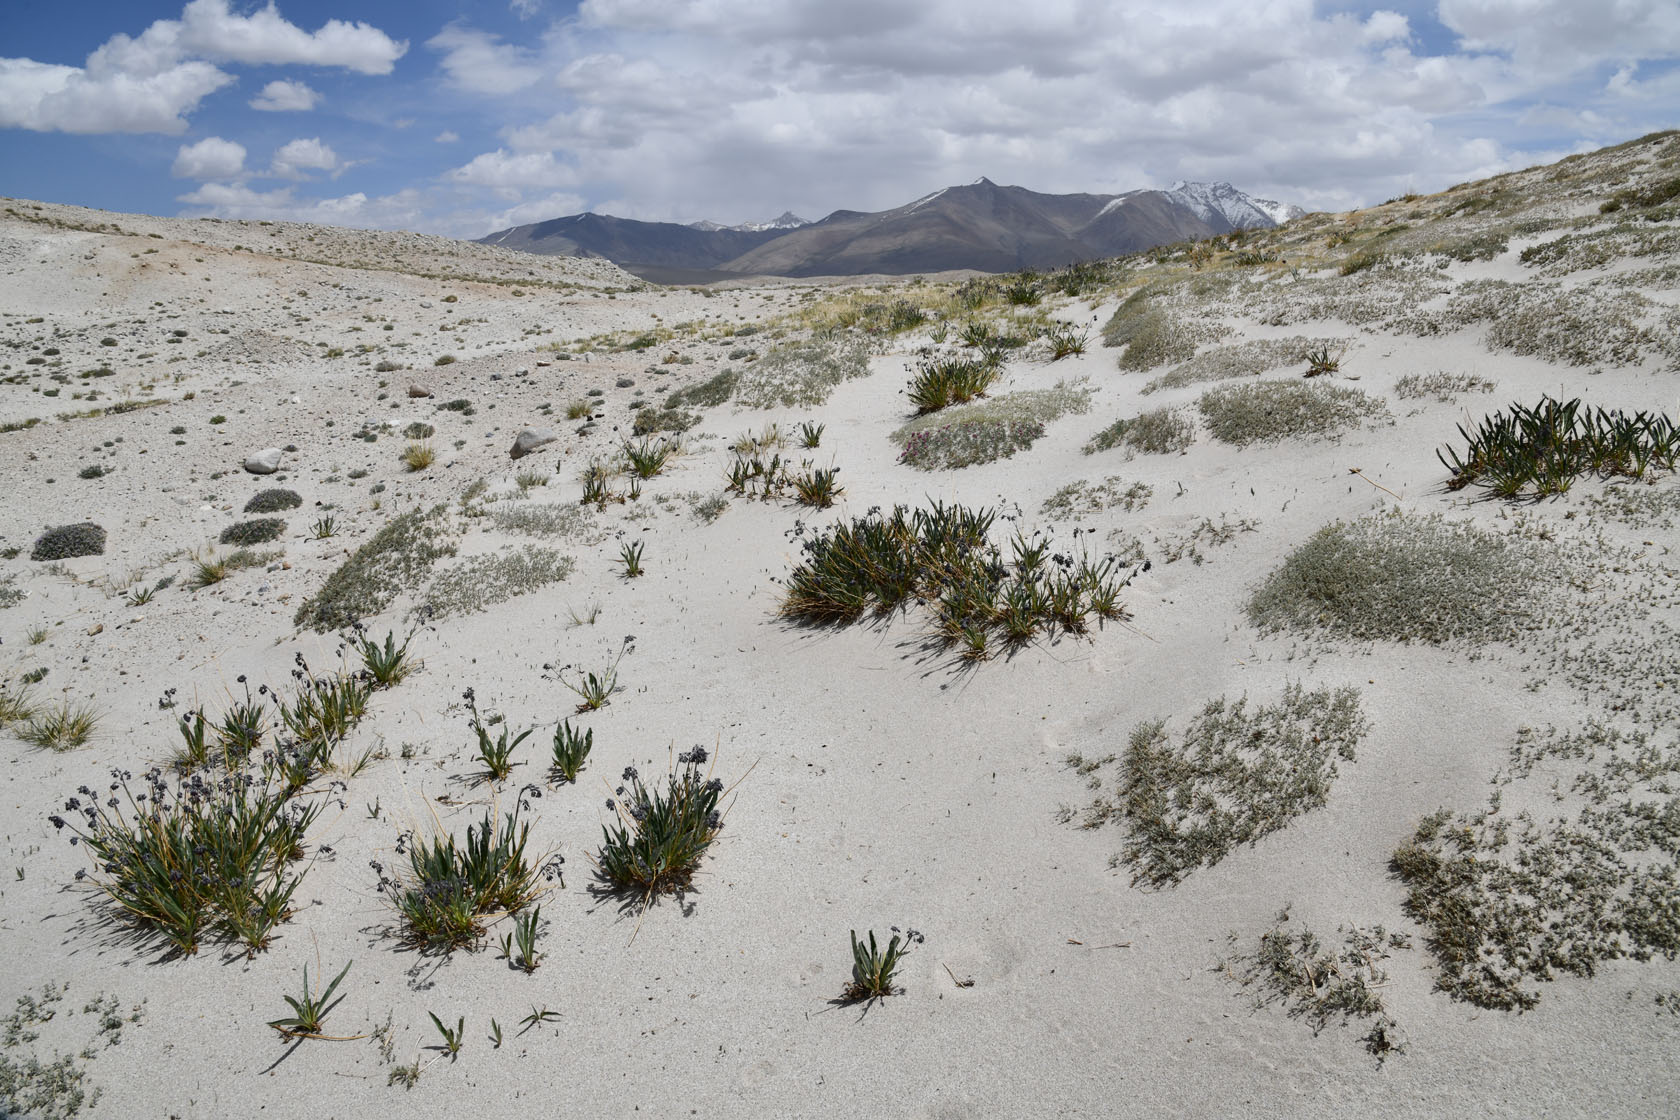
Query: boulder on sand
{"x": 529, "y": 440}
{"x": 266, "y": 461}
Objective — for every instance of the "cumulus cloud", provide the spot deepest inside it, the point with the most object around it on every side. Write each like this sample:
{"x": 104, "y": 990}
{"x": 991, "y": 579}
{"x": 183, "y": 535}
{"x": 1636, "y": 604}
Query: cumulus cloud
{"x": 479, "y": 62}
{"x": 524, "y": 9}
{"x": 404, "y": 209}
{"x": 501, "y": 170}
{"x": 150, "y": 82}
{"x": 447, "y": 136}
{"x": 285, "y": 97}
{"x": 210, "y": 158}
{"x": 298, "y": 156}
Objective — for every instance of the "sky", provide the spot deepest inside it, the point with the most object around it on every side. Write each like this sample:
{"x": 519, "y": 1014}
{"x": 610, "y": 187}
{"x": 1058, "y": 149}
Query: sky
{"x": 462, "y": 117}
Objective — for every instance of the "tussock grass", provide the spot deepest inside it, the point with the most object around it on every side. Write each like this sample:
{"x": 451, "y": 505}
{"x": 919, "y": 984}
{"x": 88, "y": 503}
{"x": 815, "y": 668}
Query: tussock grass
{"x": 1545, "y": 448}
{"x": 60, "y": 727}
{"x": 1266, "y": 411}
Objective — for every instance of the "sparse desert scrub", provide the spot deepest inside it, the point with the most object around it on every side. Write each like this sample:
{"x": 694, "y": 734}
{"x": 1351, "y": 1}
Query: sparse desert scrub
{"x": 1443, "y": 386}
{"x": 803, "y": 374}
{"x": 482, "y": 581}
{"x": 418, "y": 456}
{"x": 1243, "y": 359}
{"x": 969, "y": 442}
{"x": 1408, "y": 578}
{"x": 394, "y": 560}
{"x": 1322, "y": 983}
{"x": 1235, "y": 775}
{"x": 195, "y": 859}
{"x": 1266, "y": 411}
{"x": 710, "y": 393}
{"x": 573, "y": 522}
{"x": 1545, "y": 448}
{"x": 1082, "y": 499}
{"x": 1160, "y": 431}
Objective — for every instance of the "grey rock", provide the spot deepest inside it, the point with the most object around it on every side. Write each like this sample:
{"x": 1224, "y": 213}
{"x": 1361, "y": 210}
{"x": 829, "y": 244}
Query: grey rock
{"x": 419, "y": 391}
{"x": 529, "y": 440}
{"x": 266, "y": 461}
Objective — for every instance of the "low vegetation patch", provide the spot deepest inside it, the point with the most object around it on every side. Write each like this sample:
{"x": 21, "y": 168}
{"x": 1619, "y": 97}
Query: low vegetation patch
{"x": 260, "y": 530}
{"x": 1408, "y": 578}
{"x": 803, "y": 374}
{"x": 66, "y": 542}
{"x": 660, "y": 833}
{"x": 969, "y": 442}
{"x": 394, "y": 560}
{"x": 1443, "y": 386}
{"x": 273, "y": 501}
{"x": 1245, "y": 359}
{"x": 1160, "y": 431}
{"x": 1266, "y": 411}
{"x": 479, "y": 582}
{"x": 941, "y": 382}
{"x": 1235, "y": 775}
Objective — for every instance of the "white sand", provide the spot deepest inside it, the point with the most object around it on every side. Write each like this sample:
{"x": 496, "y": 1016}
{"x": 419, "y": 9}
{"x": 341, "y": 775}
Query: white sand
{"x": 888, "y": 786}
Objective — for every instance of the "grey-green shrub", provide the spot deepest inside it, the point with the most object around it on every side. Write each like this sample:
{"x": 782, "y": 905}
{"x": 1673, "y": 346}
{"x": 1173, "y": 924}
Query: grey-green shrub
{"x": 273, "y": 501}
{"x": 65, "y": 542}
{"x": 1272, "y": 410}
{"x": 394, "y": 560}
{"x": 1159, "y": 431}
{"x": 260, "y": 530}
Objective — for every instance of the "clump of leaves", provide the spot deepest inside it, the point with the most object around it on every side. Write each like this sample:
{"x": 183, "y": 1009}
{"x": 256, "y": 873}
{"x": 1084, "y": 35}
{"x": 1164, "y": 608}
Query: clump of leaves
{"x": 571, "y": 750}
{"x": 60, "y": 727}
{"x": 873, "y": 968}
{"x": 309, "y": 1014}
{"x": 1320, "y": 983}
{"x": 941, "y": 382}
{"x": 1235, "y": 775}
{"x": 387, "y": 663}
{"x": 1545, "y": 448}
{"x": 448, "y": 890}
{"x": 660, "y": 834}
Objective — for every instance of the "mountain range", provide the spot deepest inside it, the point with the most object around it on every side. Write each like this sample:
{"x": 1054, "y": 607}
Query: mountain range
{"x": 979, "y": 226}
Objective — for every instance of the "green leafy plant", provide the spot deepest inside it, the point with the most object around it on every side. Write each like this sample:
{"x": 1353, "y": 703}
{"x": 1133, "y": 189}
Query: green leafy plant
{"x": 309, "y": 1014}
{"x": 453, "y": 1037}
{"x": 631, "y": 556}
{"x": 386, "y": 663}
{"x": 497, "y": 753}
{"x": 810, "y": 435}
{"x": 1322, "y": 360}
{"x": 520, "y": 946}
{"x": 324, "y": 528}
{"x": 1543, "y": 449}
{"x": 817, "y": 487}
{"x": 195, "y": 859}
{"x": 1065, "y": 342}
{"x": 449, "y": 889}
{"x": 538, "y": 1017}
{"x": 571, "y": 750}
{"x": 139, "y": 595}
{"x": 62, "y": 727}
{"x": 659, "y": 836}
{"x": 941, "y": 382}
{"x": 647, "y": 457}
{"x": 873, "y": 967}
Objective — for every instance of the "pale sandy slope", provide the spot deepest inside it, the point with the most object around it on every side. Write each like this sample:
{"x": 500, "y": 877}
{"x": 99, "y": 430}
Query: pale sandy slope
{"x": 887, "y": 785}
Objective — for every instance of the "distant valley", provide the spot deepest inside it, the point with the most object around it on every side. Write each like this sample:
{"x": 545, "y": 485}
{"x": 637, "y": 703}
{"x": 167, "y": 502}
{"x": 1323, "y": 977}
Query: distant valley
{"x": 979, "y": 226}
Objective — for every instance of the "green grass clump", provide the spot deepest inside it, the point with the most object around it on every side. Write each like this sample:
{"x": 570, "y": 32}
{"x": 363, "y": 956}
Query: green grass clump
{"x": 448, "y": 890}
{"x": 1405, "y": 578}
{"x": 273, "y": 501}
{"x": 394, "y": 560}
{"x": 803, "y": 374}
{"x": 1545, "y": 448}
{"x": 873, "y": 968}
{"x": 65, "y": 542}
{"x": 942, "y": 382}
{"x": 660, "y": 835}
{"x": 1160, "y": 431}
{"x": 260, "y": 530}
{"x": 483, "y": 581}
{"x": 195, "y": 860}
{"x": 942, "y": 557}
{"x": 61, "y": 727}
{"x": 1273, "y": 410}
{"x": 1235, "y": 775}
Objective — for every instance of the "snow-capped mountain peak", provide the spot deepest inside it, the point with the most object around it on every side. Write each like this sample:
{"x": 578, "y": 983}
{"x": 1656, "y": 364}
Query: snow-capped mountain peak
{"x": 1214, "y": 201}
{"x": 788, "y": 220}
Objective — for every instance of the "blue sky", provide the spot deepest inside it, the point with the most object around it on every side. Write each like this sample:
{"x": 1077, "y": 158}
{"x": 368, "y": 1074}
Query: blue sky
{"x": 461, "y": 117}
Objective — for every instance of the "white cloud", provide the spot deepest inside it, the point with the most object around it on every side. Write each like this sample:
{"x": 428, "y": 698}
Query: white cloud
{"x": 479, "y": 62}
{"x": 150, "y": 82}
{"x": 502, "y": 170}
{"x": 49, "y": 98}
{"x": 285, "y": 97}
{"x": 210, "y": 158}
{"x": 447, "y": 136}
{"x": 297, "y": 156}
{"x": 404, "y": 209}
{"x": 524, "y": 9}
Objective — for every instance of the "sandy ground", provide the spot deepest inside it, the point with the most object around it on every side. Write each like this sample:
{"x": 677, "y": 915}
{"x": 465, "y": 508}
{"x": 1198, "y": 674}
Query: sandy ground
{"x": 887, "y": 786}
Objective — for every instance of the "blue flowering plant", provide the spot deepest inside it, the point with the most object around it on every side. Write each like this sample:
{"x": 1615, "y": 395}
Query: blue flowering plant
{"x": 661, "y": 831}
